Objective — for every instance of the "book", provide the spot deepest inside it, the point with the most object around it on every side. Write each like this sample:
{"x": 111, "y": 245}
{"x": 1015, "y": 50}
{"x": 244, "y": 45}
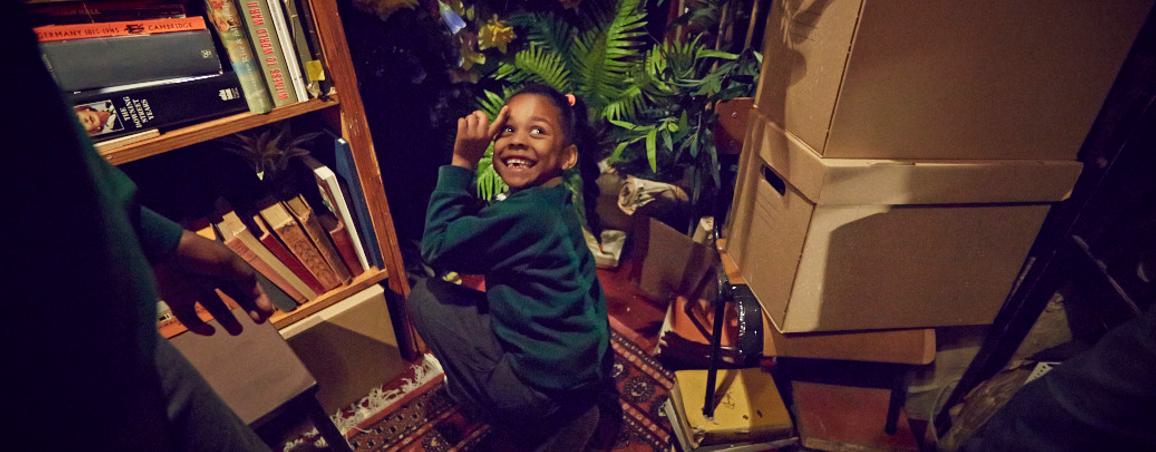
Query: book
{"x": 281, "y": 300}
{"x": 682, "y": 438}
{"x": 287, "y": 49}
{"x": 49, "y": 33}
{"x": 339, "y": 234}
{"x": 340, "y": 160}
{"x": 239, "y": 239}
{"x": 291, "y": 233}
{"x": 265, "y": 234}
{"x": 334, "y": 199}
{"x": 60, "y": 13}
{"x": 119, "y": 111}
{"x": 228, "y": 24}
{"x": 265, "y": 42}
{"x": 84, "y": 64}
{"x": 114, "y": 143}
{"x": 299, "y": 18}
{"x": 308, "y": 220}
{"x": 749, "y": 408}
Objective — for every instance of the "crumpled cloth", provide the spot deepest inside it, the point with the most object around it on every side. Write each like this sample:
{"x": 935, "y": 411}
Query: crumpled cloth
{"x": 637, "y": 193}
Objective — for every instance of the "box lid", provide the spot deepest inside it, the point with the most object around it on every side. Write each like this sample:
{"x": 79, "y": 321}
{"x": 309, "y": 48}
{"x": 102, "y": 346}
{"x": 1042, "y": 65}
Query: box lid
{"x": 894, "y": 182}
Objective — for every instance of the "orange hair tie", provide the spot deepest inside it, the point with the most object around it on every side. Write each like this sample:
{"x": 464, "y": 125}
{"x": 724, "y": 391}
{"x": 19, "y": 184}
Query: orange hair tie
{"x": 570, "y": 98}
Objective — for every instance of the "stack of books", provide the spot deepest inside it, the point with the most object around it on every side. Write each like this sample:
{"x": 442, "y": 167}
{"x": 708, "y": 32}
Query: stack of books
{"x": 133, "y": 68}
{"x": 749, "y": 413}
{"x": 306, "y": 244}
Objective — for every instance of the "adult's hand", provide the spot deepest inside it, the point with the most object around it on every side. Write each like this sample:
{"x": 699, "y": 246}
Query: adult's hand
{"x": 199, "y": 267}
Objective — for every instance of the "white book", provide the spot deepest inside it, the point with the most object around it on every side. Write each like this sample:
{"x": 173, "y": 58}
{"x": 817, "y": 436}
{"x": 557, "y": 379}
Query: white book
{"x": 334, "y": 200}
{"x": 288, "y": 50}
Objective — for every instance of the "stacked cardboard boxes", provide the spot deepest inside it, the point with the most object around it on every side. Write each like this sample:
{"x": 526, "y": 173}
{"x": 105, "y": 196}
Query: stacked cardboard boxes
{"x": 903, "y": 154}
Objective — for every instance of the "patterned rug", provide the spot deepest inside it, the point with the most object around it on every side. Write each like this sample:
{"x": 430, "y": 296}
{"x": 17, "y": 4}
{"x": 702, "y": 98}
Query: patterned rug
{"x": 426, "y": 419}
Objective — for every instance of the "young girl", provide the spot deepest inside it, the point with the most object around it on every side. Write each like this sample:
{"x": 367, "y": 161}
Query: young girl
{"x": 532, "y": 351}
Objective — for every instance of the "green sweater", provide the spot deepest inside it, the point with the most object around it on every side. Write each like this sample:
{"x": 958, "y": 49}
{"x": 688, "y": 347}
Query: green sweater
{"x": 547, "y": 306}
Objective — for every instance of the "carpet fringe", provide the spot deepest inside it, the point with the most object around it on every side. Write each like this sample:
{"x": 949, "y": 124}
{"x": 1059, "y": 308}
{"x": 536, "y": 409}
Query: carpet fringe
{"x": 377, "y": 401}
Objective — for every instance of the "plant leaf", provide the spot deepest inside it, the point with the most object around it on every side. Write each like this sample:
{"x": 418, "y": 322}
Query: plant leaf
{"x": 651, "y": 149}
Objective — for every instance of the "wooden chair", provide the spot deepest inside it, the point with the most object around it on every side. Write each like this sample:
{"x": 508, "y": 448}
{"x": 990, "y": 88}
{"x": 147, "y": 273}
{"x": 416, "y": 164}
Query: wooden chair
{"x": 258, "y": 375}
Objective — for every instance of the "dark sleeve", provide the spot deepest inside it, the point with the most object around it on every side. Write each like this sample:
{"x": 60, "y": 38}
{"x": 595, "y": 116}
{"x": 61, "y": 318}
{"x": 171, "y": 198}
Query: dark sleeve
{"x": 158, "y": 235}
{"x": 460, "y": 236}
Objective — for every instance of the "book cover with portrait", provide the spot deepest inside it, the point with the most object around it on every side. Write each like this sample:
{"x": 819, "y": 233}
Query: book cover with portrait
{"x": 118, "y": 111}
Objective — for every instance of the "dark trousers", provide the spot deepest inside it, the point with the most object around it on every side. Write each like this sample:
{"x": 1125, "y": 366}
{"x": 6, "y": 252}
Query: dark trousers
{"x": 1102, "y": 399}
{"x": 456, "y": 324}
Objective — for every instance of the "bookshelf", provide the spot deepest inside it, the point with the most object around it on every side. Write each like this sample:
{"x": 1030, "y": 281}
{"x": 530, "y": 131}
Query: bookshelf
{"x": 344, "y": 113}
{"x": 210, "y": 130}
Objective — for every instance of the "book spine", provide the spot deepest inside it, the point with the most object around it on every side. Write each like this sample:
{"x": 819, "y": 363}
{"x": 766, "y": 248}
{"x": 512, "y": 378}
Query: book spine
{"x": 345, "y": 168}
{"x": 282, "y": 254}
{"x": 287, "y": 49}
{"x": 50, "y": 33}
{"x": 105, "y": 11}
{"x": 310, "y": 67}
{"x": 299, "y": 244}
{"x": 86, "y": 63}
{"x": 108, "y": 115}
{"x": 339, "y": 233}
{"x": 227, "y": 22}
{"x": 112, "y": 114}
{"x": 334, "y": 199}
{"x": 268, "y": 48}
{"x": 319, "y": 237}
{"x": 315, "y": 69}
{"x": 281, "y": 300}
{"x": 248, "y": 255}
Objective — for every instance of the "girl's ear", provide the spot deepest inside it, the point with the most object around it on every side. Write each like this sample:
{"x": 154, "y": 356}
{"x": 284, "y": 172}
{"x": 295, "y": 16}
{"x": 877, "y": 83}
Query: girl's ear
{"x": 569, "y": 156}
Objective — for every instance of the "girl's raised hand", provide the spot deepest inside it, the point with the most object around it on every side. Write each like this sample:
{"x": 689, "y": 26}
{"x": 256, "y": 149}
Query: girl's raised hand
{"x": 475, "y": 133}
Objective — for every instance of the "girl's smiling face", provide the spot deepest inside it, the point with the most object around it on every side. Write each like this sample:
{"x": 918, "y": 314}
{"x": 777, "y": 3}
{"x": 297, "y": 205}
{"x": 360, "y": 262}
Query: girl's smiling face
{"x": 532, "y": 146}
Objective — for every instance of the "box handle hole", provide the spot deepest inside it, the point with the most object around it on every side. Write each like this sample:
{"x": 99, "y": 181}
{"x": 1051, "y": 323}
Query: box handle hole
{"x": 776, "y": 182}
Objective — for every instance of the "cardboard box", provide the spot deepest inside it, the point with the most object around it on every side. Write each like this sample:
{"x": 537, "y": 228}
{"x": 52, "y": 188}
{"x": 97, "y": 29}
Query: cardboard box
{"x": 850, "y": 244}
{"x": 349, "y": 347}
{"x": 938, "y": 79}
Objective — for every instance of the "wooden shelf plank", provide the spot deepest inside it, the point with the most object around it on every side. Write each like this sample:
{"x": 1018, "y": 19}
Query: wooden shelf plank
{"x": 370, "y": 277}
{"x": 208, "y": 130}
{"x": 172, "y": 328}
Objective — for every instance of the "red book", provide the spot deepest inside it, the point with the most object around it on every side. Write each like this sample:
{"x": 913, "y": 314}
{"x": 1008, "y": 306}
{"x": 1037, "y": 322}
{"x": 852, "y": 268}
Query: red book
{"x": 49, "y": 33}
{"x": 241, "y": 241}
{"x": 278, "y": 249}
{"x": 341, "y": 240}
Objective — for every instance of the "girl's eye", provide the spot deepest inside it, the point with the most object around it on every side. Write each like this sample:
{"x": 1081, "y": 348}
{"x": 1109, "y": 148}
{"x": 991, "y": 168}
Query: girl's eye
{"x": 507, "y": 129}
{"x": 537, "y": 131}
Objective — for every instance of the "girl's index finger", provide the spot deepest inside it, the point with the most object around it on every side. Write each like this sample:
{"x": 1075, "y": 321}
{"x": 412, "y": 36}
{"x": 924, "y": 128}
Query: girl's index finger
{"x": 499, "y": 121}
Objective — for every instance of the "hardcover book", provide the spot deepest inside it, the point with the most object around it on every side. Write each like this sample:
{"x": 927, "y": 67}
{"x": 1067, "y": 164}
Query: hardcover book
{"x": 340, "y": 159}
{"x": 102, "y": 11}
{"x": 263, "y": 35}
{"x": 305, "y": 216}
{"x": 83, "y": 64}
{"x": 284, "y": 35}
{"x": 230, "y": 29}
{"x": 335, "y": 201}
{"x": 265, "y": 234}
{"x": 748, "y": 408}
{"x": 341, "y": 240}
{"x": 300, "y": 18}
{"x": 125, "y": 110}
{"x": 239, "y": 239}
{"x": 49, "y": 33}
{"x": 298, "y": 243}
